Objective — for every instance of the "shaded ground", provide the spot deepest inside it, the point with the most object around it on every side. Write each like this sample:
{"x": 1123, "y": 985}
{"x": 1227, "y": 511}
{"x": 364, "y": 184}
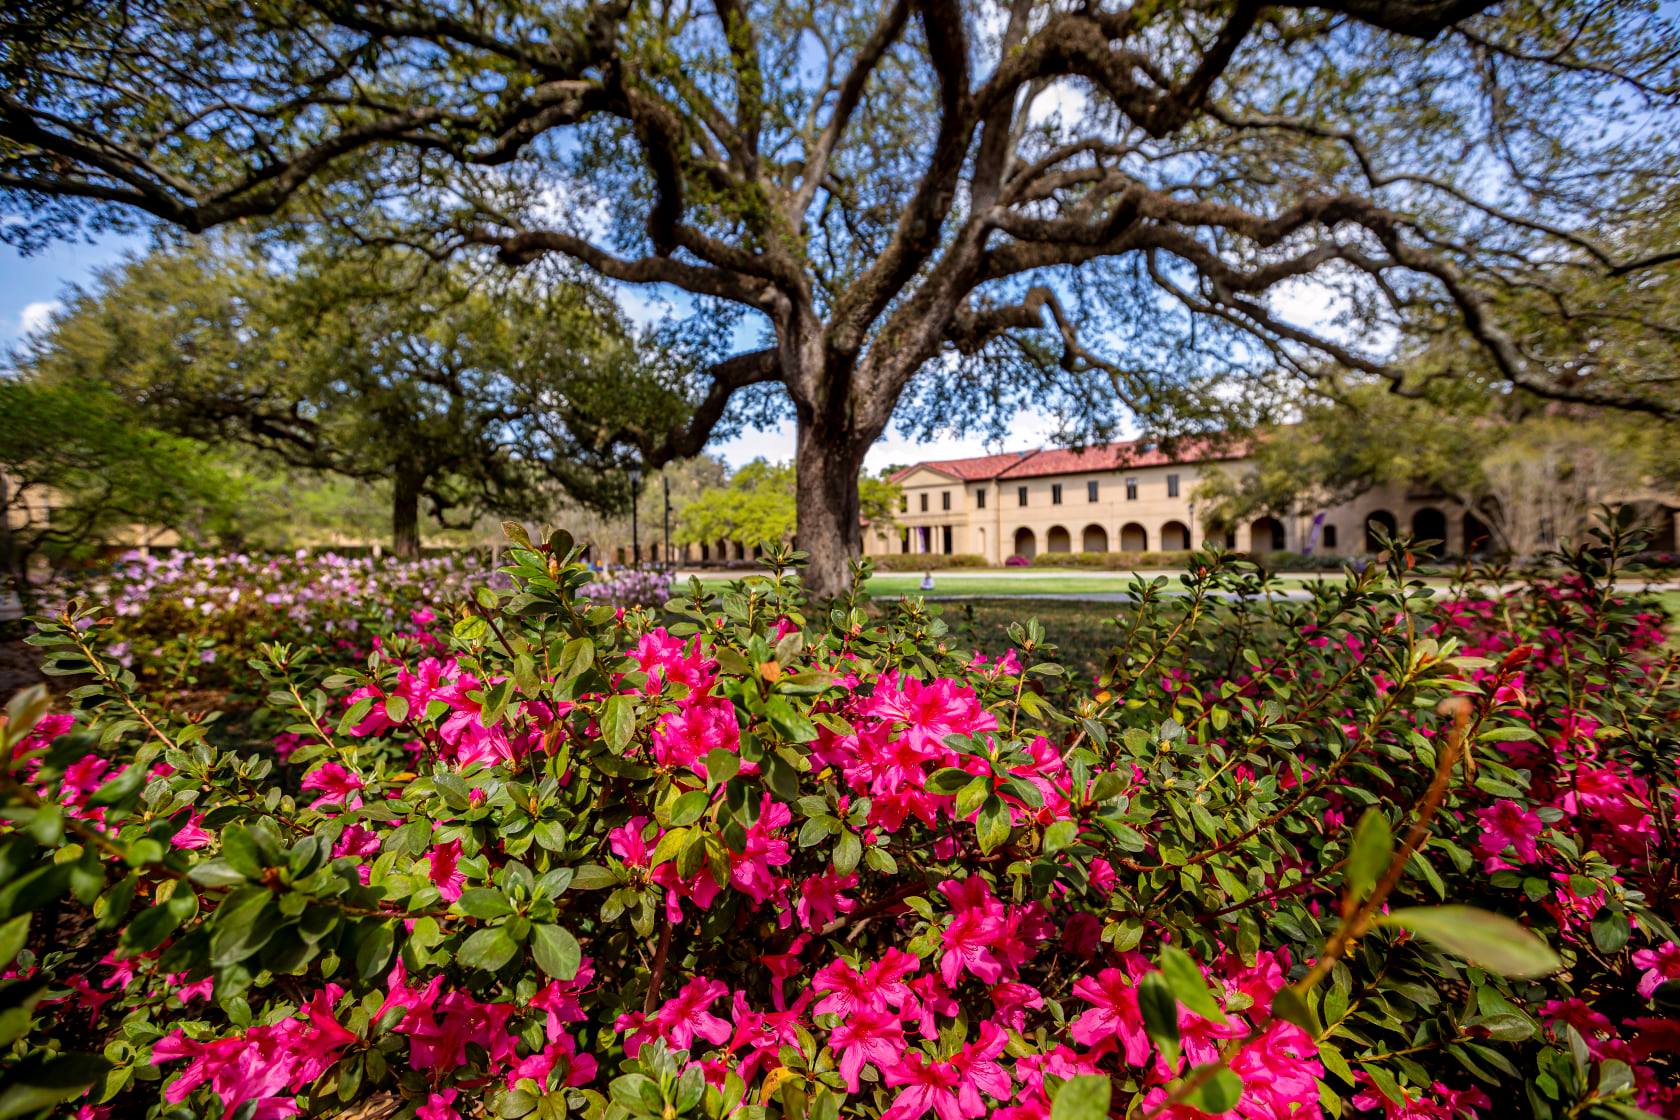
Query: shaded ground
{"x": 18, "y": 663}
{"x": 1082, "y": 631}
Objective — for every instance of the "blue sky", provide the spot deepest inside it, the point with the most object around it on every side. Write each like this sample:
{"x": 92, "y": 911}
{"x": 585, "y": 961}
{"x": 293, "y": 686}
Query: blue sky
{"x": 30, "y": 288}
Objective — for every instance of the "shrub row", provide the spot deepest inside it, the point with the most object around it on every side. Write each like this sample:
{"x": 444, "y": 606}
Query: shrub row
{"x": 1368, "y": 852}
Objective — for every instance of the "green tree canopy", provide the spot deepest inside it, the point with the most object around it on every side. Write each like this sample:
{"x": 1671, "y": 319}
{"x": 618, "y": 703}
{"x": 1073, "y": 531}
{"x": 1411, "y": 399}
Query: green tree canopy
{"x": 935, "y": 208}
{"x": 757, "y": 507}
{"x": 78, "y": 464}
{"x": 459, "y": 391}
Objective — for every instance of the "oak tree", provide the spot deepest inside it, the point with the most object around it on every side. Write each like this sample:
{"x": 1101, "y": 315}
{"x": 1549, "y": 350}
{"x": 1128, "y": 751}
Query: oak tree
{"x": 955, "y": 205}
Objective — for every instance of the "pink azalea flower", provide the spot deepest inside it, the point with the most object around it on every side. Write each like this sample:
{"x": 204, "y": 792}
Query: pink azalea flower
{"x": 978, "y": 1071}
{"x": 1506, "y": 824}
{"x": 687, "y": 1016}
{"x": 1011, "y": 1000}
{"x": 926, "y": 1085}
{"x": 445, "y": 873}
{"x": 439, "y": 1106}
{"x": 1662, "y": 964}
{"x": 977, "y": 925}
{"x": 191, "y": 835}
{"x": 821, "y": 900}
{"x": 866, "y": 1036}
{"x": 337, "y": 785}
{"x": 1114, "y": 1014}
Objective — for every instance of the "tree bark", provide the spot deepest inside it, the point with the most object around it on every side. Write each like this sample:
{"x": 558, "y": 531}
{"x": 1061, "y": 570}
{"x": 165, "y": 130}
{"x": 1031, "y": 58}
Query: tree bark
{"x": 405, "y": 514}
{"x": 826, "y": 500}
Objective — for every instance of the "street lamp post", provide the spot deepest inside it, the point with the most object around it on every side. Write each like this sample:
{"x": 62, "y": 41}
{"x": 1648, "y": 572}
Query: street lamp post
{"x": 665, "y": 483}
{"x": 635, "y": 524}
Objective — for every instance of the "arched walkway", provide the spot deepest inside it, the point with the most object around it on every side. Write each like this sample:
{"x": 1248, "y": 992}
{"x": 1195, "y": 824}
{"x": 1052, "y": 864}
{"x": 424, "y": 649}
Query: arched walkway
{"x": 1057, "y": 540}
{"x": 1478, "y": 540}
{"x": 1025, "y": 543}
{"x": 1266, "y": 535}
{"x": 1175, "y": 537}
{"x": 982, "y": 541}
{"x": 1378, "y": 517}
{"x": 1134, "y": 537}
{"x": 1094, "y": 539}
{"x": 1430, "y": 524}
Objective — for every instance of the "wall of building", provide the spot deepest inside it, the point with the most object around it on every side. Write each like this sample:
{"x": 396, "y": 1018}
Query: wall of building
{"x": 1155, "y": 520}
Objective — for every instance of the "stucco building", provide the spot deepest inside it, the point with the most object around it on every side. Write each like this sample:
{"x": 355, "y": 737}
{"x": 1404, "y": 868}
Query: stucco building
{"x": 1128, "y": 497}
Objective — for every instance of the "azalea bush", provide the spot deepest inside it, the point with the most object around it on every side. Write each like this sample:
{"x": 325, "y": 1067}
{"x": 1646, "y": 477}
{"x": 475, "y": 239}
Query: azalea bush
{"x": 1370, "y": 853}
{"x": 192, "y": 621}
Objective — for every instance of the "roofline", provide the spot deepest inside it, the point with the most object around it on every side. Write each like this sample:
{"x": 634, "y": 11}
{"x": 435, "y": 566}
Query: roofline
{"x": 1023, "y": 457}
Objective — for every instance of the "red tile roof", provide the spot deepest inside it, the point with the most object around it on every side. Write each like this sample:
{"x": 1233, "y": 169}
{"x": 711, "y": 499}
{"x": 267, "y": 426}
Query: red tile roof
{"x": 1039, "y": 462}
{"x": 968, "y": 470}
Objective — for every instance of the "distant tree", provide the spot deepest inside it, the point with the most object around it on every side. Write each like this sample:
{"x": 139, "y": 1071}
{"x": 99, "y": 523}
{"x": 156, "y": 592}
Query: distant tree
{"x": 1531, "y": 471}
{"x": 758, "y": 507}
{"x": 453, "y": 391}
{"x": 755, "y": 508}
{"x": 1085, "y": 204}
{"x": 77, "y": 465}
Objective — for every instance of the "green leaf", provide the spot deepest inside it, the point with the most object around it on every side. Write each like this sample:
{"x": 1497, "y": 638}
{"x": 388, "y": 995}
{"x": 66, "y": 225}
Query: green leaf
{"x": 354, "y": 715}
{"x": 1489, "y": 940}
{"x": 1188, "y": 984}
{"x": 992, "y": 825}
{"x": 39, "y": 1081}
{"x": 1083, "y": 1098}
{"x": 13, "y": 934}
{"x": 1160, "y": 1014}
{"x": 1059, "y": 835}
{"x": 239, "y": 849}
{"x": 618, "y": 722}
{"x": 396, "y": 708}
{"x": 1289, "y": 1006}
{"x": 1219, "y": 1093}
{"x": 556, "y": 951}
{"x": 488, "y": 949}
{"x": 575, "y": 659}
{"x": 688, "y": 808}
{"x": 484, "y": 902}
{"x": 847, "y": 851}
{"x": 1369, "y": 854}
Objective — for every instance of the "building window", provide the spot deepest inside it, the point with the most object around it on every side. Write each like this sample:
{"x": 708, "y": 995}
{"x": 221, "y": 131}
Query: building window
{"x": 947, "y": 540}
{"x": 1131, "y": 489}
{"x": 1055, "y": 493}
{"x": 1330, "y": 537}
{"x": 924, "y": 503}
{"x": 1021, "y": 493}
{"x": 944, "y": 499}
{"x": 1091, "y": 490}
{"x": 979, "y": 499}
{"x": 904, "y": 536}
{"x": 904, "y": 503}
{"x": 1172, "y": 486}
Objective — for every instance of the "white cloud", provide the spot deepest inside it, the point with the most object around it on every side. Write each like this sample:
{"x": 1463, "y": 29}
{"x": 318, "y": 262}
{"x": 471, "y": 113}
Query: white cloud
{"x": 1062, "y": 100}
{"x": 37, "y": 315}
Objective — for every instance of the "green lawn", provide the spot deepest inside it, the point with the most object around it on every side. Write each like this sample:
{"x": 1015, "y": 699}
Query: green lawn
{"x": 1025, "y": 584}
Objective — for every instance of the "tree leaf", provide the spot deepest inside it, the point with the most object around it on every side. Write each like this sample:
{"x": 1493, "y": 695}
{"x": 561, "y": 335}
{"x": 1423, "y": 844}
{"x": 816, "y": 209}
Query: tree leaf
{"x": 1218, "y": 1094}
{"x": 618, "y": 722}
{"x": 1083, "y": 1098}
{"x": 488, "y": 949}
{"x": 1369, "y": 854}
{"x": 1489, "y": 940}
{"x": 1188, "y": 984}
{"x": 556, "y": 951}
{"x": 1160, "y": 1014}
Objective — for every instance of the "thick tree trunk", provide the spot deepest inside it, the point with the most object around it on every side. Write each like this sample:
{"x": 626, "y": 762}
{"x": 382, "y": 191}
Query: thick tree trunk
{"x": 405, "y": 515}
{"x": 827, "y": 464}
